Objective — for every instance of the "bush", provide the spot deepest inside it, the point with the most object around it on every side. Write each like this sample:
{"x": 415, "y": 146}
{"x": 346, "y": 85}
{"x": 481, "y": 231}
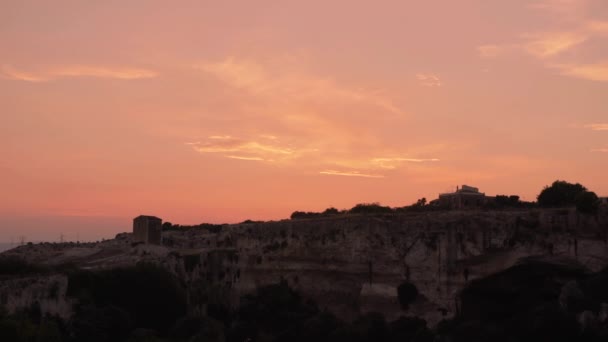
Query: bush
{"x": 370, "y": 208}
{"x": 506, "y": 201}
{"x": 587, "y": 202}
{"x": 560, "y": 193}
{"x": 275, "y": 310}
{"x": 12, "y": 265}
{"x": 149, "y": 294}
{"x": 310, "y": 214}
{"x": 407, "y": 293}
{"x": 331, "y": 211}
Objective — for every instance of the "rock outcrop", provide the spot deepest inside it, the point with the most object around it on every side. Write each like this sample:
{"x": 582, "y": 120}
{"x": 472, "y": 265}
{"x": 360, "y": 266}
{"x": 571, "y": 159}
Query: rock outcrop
{"x": 352, "y": 264}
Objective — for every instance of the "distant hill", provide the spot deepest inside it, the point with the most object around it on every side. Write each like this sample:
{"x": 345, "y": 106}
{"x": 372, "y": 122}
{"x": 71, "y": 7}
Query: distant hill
{"x": 5, "y": 246}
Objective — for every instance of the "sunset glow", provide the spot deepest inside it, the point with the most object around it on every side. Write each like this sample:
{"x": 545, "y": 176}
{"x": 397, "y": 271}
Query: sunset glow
{"x": 201, "y": 111}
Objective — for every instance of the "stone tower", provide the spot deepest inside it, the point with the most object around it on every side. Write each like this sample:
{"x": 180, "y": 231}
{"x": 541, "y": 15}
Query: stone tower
{"x": 147, "y": 229}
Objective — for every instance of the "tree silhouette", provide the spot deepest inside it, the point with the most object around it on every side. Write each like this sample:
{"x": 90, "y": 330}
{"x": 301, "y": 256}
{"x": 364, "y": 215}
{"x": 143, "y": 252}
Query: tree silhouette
{"x": 587, "y": 202}
{"x": 560, "y": 193}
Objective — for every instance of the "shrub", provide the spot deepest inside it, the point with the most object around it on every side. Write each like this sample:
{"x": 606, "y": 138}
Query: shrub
{"x": 560, "y": 193}
{"x": 370, "y": 208}
{"x": 407, "y": 293}
{"x": 587, "y": 202}
{"x": 12, "y": 265}
{"x": 149, "y": 294}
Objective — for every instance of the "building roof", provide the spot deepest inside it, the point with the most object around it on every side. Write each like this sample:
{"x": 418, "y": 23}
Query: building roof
{"x": 147, "y": 217}
{"x": 464, "y": 190}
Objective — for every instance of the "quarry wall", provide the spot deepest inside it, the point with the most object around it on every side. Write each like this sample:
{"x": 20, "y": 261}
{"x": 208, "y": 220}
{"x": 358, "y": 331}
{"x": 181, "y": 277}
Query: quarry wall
{"x": 354, "y": 264}
{"x": 348, "y": 264}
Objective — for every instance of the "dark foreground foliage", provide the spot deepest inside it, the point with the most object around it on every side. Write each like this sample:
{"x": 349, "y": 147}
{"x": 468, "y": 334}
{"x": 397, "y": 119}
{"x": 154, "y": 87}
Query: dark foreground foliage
{"x": 536, "y": 300}
{"x": 533, "y": 301}
{"x": 563, "y": 194}
{"x": 15, "y": 266}
{"x": 277, "y": 313}
{"x": 144, "y": 297}
{"x": 145, "y": 303}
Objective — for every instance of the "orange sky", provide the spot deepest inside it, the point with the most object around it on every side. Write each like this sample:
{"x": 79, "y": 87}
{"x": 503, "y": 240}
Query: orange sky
{"x": 233, "y": 110}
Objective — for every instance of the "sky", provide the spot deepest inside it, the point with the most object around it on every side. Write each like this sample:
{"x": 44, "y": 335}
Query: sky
{"x": 222, "y": 111}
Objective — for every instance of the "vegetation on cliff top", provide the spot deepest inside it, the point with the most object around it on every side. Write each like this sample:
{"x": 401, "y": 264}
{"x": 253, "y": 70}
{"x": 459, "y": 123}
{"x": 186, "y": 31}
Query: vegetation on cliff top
{"x": 559, "y": 194}
{"x": 562, "y": 194}
{"x": 532, "y": 301}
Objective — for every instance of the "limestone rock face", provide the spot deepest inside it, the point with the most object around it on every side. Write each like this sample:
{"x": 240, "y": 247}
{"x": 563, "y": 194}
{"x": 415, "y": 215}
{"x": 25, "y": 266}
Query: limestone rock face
{"x": 353, "y": 264}
{"x": 48, "y": 292}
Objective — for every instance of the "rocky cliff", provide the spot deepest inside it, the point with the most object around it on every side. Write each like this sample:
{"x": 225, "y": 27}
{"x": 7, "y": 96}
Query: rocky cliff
{"x": 350, "y": 264}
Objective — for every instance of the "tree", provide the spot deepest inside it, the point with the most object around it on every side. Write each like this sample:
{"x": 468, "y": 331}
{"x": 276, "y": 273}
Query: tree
{"x": 560, "y": 193}
{"x": 407, "y": 293}
{"x": 420, "y": 203}
{"x": 370, "y": 208}
{"x": 150, "y": 295}
{"x": 331, "y": 211}
{"x": 587, "y": 202}
{"x": 502, "y": 201}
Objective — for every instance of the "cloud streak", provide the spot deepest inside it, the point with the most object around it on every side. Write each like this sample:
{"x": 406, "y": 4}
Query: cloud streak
{"x": 393, "y": 163}
{"x": 327, "y": 120}
{"x": 429, "y": 80}
{"x": 76, "y": 71}
{"x": 569, "y": 10}
{"x": 544, "y": 45}
{"x": 591, "y": 72}
{"x": 290, "y": 84}
{"x": 551, "y": 47}
{"x": 350, "y": 174}
{"x": 540, "y": 45}
{"x": 243, "y": 149}
{"x": 597, "y": 126}
{"x": 245, "y": 158}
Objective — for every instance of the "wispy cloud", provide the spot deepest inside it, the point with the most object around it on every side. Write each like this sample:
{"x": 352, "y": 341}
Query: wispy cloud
{"x": 245, "y": 149}
{"x": 8, "y": 72}
{"x": 600, "y": 150}
{"x": 543, "y": 45}
{"x": 597, "y": 126}
{"x": 393, "y": 163}
{"x": 327, "y": 121}
{"x": 290, "y": 84}
{"x": 220, "y": 137}
{"x": 103, "y": 72}
{"x": 566, "y": 9}
{"x": 556, "y": 48}
{"x": 350, "y": 174}
{"x": 245, "y": 158}
{"x": 592, "y": 72}
{"x": 46, "y": 75}
{"x": 540, "y": 45}
{"x": 597, "y": 26}
{"x": 429, "y": 80}
{"x": 229, "y": 144}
